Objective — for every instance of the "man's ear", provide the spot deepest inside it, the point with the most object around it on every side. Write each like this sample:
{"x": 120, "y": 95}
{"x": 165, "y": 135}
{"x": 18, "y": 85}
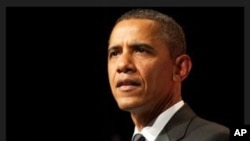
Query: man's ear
{"x": 182, "y": 67}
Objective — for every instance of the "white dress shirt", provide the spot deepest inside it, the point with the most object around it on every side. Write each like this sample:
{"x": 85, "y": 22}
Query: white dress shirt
{"x": 152, "y": 130}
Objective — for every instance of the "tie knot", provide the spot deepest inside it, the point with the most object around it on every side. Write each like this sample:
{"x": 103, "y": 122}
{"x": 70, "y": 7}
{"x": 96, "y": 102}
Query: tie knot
{"x": 138, "y": 137}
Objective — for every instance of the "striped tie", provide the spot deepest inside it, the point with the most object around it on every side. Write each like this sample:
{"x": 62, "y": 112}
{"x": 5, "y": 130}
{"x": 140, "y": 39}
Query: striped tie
{"x": 138, "y": 137}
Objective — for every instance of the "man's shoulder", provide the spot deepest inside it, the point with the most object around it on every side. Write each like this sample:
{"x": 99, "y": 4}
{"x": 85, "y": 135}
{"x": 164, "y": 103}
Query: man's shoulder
{"x": 186, "y": 125}
{"x": 200, "y": 128}
{"x": 198, "y": 122}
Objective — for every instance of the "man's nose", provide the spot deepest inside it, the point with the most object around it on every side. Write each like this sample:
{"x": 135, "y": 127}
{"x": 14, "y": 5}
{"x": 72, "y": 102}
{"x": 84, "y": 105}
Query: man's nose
{"x": 126, "y": 63}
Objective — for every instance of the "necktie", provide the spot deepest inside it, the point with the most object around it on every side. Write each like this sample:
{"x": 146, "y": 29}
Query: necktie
{"x": 138, "y": 137}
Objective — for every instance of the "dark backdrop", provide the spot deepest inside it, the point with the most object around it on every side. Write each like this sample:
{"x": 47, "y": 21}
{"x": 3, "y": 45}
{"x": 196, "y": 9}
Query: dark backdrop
{"x": 57, "y": 86}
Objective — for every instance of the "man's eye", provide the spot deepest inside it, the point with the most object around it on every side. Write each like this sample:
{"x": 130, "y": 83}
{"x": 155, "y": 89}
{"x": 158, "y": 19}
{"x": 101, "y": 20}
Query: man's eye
{"x": 140, "y": 49}
{"x": 113, "y": 53}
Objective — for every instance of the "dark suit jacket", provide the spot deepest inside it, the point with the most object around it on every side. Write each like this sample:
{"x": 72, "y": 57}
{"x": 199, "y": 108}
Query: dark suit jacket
{"x": 185, "y": 125}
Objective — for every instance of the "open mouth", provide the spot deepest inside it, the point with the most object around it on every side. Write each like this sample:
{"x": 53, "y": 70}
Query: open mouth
{"x": 127, "y": 85}
{"x": 128, "y": 82}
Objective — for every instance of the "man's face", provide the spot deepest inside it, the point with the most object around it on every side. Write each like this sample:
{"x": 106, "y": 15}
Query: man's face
{"x": 139, "y": 65}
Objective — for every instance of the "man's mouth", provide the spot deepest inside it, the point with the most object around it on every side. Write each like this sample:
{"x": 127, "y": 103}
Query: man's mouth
{"x": 127, "y": 84}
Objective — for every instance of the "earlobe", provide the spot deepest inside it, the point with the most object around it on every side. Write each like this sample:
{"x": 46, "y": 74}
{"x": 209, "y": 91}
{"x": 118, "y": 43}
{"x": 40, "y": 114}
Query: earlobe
{"x": 183, "y": 65}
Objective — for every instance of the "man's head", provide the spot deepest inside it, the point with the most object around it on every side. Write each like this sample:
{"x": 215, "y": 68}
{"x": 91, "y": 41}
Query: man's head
{"x": 170, "y": 31}
{"x": 146, "y": 61}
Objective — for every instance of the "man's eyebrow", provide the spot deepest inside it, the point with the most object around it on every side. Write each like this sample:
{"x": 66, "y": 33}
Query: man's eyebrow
{"x": 143, "y": 45}
{"x": 133, "y": 46}
{"x": 115, "y": 47}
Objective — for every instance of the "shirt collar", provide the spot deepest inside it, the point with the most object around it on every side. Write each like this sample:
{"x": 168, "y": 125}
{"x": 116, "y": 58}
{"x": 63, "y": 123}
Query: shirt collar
{"x": 153, "y": 129}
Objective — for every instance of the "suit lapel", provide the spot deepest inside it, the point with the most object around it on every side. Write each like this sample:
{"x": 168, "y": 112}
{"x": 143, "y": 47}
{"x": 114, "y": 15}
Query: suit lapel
{"x": 178, "y": 124}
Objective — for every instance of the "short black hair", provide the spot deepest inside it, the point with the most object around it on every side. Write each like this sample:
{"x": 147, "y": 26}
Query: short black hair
{"x": 171, "y": 30}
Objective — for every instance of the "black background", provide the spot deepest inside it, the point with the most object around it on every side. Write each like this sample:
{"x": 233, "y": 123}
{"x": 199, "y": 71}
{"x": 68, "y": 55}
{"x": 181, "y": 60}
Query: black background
{"x": 57, "y": 86}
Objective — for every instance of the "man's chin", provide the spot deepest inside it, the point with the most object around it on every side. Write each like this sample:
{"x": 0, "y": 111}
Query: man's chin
{"x": 129, "y": 107}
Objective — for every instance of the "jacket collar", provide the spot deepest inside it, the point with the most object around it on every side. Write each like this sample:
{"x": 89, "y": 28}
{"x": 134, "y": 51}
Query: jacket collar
{"x": 178, "y": 124}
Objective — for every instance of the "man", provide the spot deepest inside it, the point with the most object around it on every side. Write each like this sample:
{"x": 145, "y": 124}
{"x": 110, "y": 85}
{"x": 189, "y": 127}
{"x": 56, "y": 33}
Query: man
{"x": 146, "y": 66}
